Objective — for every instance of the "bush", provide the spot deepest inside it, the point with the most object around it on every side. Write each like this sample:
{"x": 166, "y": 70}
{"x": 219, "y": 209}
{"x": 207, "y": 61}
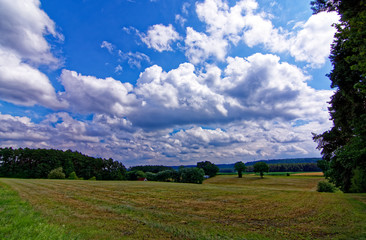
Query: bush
{"x": 56, "y": 174}
{"x": 73, "y": 176}
{"x": 93, "y": 178}
{"x": 325, "y": 186}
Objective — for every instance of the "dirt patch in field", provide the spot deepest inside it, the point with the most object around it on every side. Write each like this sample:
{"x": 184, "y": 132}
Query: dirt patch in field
{"x": 309, "y": 174}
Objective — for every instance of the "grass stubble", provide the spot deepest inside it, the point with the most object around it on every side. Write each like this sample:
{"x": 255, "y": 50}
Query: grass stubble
{"x": 224, "y": 207}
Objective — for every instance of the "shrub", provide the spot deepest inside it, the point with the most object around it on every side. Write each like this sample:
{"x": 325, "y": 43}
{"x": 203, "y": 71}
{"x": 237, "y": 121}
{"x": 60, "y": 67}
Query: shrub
{"x": 56, "y": 174}
{"x": 73, "y": 176}
{"x": 93, "y": 178}
{"x": 325, "y": 186}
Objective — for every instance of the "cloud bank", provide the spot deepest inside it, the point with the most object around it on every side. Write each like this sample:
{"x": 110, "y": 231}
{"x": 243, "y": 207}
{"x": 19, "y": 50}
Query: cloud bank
{"x": 214, "y": 106}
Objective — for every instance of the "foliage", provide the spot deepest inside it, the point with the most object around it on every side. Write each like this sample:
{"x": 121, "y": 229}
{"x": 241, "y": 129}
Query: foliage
{"x": 291, "y": 167}
{"x": 344, "y": 145}
{"x": 135, "y": 175}
{"x": 240, "y": 167}
{"x": 191, "y": 175}
{"x": 37, "y": 163}
{"x": 209, "y": 168}
{"x": 358, "y": 181}
{"x": 325, "y": 186}
{"x": 92, "y": 178}
{"x": 150, "y": 168}
{"x": 165, "y": 176}
{"x": 56, "y": 173}
{"x": 73, "y": 176}
{"x": 260, "y": 167}
{"x": 151, "y": 176}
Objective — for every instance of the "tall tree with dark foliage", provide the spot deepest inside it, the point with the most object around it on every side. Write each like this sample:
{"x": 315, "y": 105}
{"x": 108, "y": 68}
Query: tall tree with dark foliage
{"x": 343, "y": 147}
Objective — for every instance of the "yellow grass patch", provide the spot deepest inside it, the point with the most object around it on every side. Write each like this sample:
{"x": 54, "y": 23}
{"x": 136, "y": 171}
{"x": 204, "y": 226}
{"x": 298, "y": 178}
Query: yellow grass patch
{"x": 309, "y": 174}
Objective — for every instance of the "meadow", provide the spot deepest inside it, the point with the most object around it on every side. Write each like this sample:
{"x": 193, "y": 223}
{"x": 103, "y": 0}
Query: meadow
{"x": 224, "y": 207}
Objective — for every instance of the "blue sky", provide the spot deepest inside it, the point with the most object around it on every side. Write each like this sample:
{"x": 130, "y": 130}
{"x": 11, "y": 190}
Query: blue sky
{"x": 165, "y": 82}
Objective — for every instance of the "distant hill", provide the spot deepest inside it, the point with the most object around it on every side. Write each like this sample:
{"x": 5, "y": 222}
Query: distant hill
{"x": 230, "y": 166}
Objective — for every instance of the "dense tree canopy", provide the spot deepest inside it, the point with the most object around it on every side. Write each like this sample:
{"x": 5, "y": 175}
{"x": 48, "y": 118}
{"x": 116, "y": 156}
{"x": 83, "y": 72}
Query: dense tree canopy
{"x": 209, "y": 168}
{"x": 38, "y": 163}
{"x": 343, "y": 147}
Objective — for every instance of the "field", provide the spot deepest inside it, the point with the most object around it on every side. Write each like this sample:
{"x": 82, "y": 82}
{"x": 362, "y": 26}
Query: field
{"x": 224, "y": 207}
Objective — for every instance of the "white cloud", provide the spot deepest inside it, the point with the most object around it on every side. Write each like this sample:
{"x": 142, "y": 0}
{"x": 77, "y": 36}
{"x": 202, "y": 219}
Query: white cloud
{"x": 108, "y": 46}
{"x": 22, "y": 28}
{"x": 309, "y": 42}
{"x": 160, "y": 37}
{"x": 199, "y": 46}
{"x": 134, "y": 59}
{"x": 23, "y": 47}
{"x": 179, "y": 19}
{"x": 265, "y": 87}
{"x": 118, "y": 69}
{"x": 89, "y": 94}
{"x": 22, "y": 84}
{"x": 312, "y": 43}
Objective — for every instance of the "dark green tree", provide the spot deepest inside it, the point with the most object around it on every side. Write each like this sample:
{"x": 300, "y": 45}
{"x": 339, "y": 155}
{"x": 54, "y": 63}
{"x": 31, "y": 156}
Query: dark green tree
{"x": 343, "y": 147}
{"x": 240, "y": 168}
{"x": 260, "y": 167}
{"x": 191, "y": 175}
{"x": 209, "y": 168}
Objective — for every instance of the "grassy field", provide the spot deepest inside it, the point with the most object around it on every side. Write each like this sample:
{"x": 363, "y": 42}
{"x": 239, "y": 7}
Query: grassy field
{"x": 19, "y": 221}
{"x": 224, "y": 207}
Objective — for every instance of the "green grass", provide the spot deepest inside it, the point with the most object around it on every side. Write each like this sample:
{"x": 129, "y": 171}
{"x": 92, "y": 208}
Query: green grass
{"x": 224, "y": 207}
{"x": 19, "y": 221}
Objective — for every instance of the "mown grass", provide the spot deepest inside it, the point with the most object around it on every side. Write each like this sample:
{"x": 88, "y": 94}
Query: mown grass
{"x": 19, "y": 221}
{"x": 224, "y": 207}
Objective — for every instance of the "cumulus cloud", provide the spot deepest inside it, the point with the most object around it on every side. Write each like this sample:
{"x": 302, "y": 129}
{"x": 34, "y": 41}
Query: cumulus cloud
{"x": 310, "y": 42}
{"x": 265, "y": 87}
{"x": 24, "y": 85}
{"x": 175, "y": 97}
{"x": 160, "y": 37}
{"x": 22, "y": 28}
{"x": 89, "y": 94}
{"x": 200, "y": 46}
{"x": 23, "y": 47}
{"x": 256, "y": 87}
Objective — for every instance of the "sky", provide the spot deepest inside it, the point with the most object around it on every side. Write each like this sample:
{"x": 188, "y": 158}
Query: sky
{"x": 149, "y": 82}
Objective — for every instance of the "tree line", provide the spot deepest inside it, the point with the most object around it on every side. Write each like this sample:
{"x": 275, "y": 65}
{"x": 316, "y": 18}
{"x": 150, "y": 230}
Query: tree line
{"x": 281, "y": 167}
{"x": 38, "y": 163}
{"x": 291, "y": 167}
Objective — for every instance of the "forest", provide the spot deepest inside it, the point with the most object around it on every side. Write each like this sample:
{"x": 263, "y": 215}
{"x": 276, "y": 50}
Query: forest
{"x": 38, "y": 163}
